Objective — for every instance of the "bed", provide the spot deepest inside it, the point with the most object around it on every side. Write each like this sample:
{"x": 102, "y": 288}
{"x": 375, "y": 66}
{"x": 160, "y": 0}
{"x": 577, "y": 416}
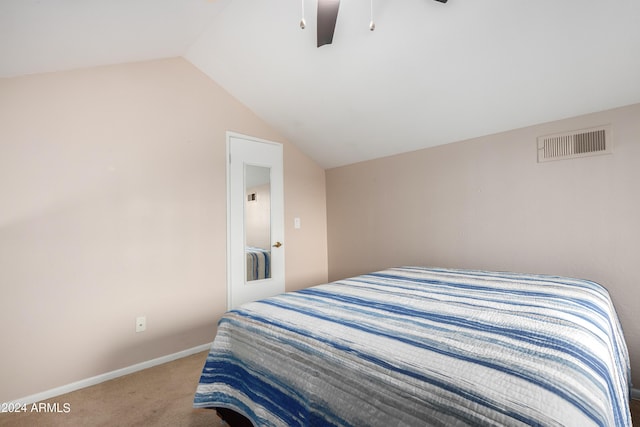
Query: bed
{"x": 416, "y": 346}
{"x": 258, "y": 263}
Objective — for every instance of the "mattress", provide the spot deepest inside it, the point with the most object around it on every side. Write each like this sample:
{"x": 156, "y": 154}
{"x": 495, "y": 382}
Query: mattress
{"x": 417, "y": 346}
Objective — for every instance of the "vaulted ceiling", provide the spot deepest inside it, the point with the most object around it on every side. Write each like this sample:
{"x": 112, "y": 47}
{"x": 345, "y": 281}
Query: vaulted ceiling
{"x": 431, "y": 73}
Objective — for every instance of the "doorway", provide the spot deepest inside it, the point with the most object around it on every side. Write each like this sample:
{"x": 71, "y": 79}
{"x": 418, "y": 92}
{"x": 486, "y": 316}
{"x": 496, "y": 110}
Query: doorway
{"x": 255, "y": 219}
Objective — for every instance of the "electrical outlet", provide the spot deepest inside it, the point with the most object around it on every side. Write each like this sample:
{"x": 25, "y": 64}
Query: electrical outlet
{"x": 141, "y": 324}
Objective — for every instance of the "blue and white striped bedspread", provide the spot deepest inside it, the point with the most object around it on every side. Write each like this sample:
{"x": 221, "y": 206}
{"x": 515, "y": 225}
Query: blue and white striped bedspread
{"x": 415, "y": 347}
{"x": 258, "y": 263}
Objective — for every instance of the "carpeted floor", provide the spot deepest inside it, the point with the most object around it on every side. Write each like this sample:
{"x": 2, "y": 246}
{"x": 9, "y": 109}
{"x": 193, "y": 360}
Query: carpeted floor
{"x": 158, "y": 396}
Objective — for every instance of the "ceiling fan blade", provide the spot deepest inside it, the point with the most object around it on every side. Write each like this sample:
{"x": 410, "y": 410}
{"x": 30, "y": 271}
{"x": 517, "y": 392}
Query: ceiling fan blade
{"x": 327, "y": 16}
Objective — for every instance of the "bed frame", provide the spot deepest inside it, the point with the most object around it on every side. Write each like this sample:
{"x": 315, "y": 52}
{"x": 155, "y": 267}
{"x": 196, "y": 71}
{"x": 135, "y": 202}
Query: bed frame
{"x": 233, "y": 418}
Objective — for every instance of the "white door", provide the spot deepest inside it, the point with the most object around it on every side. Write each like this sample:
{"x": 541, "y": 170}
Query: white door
{"x": 255, "y": 241}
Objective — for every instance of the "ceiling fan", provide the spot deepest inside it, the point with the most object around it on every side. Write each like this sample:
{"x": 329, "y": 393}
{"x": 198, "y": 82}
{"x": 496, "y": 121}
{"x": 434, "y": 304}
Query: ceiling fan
{"x": 327, "y": 16}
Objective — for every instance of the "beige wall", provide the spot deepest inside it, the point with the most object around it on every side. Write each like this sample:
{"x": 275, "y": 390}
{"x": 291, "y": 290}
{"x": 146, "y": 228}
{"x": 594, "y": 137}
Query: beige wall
{"x": 113, "y": 205}
{"x": 486, "y": 203}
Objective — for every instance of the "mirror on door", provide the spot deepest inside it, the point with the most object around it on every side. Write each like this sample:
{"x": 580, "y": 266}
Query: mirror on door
{"x": 257, "y": 216}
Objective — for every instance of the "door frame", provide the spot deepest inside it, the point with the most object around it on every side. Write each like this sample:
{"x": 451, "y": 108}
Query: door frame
{"x": 229, "y": 136}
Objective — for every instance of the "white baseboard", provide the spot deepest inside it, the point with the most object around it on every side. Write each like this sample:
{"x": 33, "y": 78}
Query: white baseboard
{"x": 635, "y": 393}
{"x": 109, "y": 375}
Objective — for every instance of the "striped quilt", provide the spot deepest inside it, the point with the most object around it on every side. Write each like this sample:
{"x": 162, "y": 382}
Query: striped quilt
{"x": 419, "y": 346}
{"x": 258, "y": 263}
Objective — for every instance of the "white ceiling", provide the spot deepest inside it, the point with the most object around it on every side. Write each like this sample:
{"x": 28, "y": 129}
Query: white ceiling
{"x": 430, "y": 73}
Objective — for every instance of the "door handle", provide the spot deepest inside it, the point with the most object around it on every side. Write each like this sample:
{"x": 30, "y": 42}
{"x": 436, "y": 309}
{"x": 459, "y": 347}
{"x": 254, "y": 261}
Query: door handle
{"x": 277, "y": 245}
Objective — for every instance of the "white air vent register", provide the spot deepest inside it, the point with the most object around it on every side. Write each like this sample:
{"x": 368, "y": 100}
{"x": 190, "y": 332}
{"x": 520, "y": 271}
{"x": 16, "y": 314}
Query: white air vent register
{"x": 570, "y": 145}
